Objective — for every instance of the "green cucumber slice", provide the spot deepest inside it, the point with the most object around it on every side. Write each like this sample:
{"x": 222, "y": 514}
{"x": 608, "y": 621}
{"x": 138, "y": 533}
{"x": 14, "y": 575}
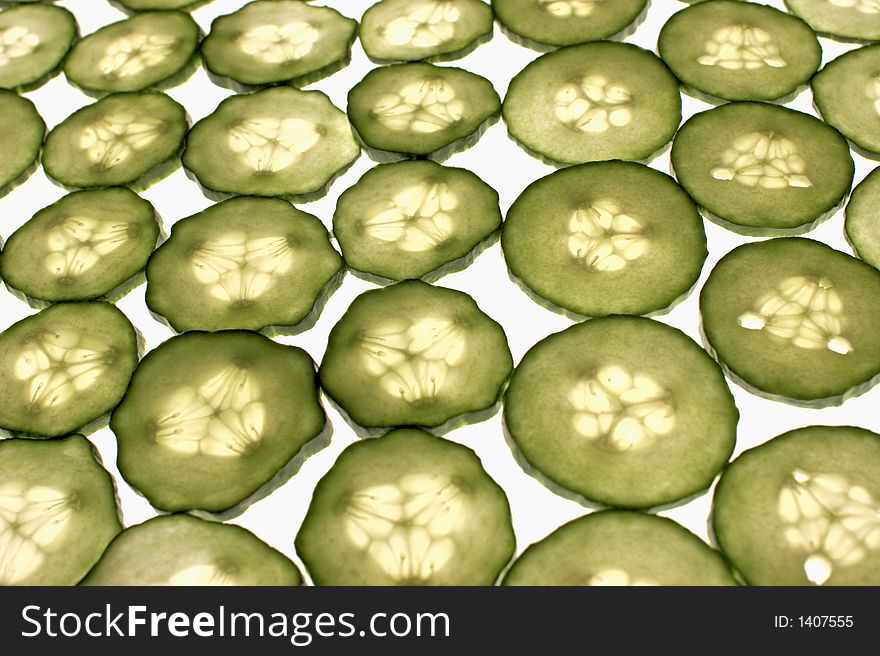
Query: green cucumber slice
{"x": 616, "y": 547}
{"x": 278, "y": 41}
{"x": 182, "y": 550}
{"x": 625, "y": 411}
{"x": 123, "y": 139}
{"x": 851, "y": 20}
{"x": 862, "y": 219}
{"x": 277, "y": 142}
{"x": 210, "y": 418}
{"x": 246, "y": 263}
{"x": 418, "y": 30}
{"x": 847, "y": 94}
{"x": 758, "y": 168}
{"x": 803, "y": 508}
{"x": 159, "y": 5}
{"x": 407, "y": 508}
{"x": 412, "y": 354}
{"x": 149, "y": 49}
{"x": 543, "y": 23}
{"x": 794, "y": 320}
{"x": 34, "y": 41}
{"x": 57, "y": 511}
{"x": 605, "y": 238}
{"x": 421, "y": 110}
{"x": 739, "y": 51}
{"x": 83, "y": 247}
{"x": 64, "y": 367}
{"x": 414, "y": 219}
{"x": 592, "y": 102}
{"x": 21, "y": 136}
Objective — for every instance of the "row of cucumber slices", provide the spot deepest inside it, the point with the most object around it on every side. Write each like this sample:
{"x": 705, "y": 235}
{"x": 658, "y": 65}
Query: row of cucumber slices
{"x": 410, "y": 508}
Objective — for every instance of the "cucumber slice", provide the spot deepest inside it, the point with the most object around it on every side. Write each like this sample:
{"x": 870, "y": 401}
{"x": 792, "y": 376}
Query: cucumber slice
{"x": 739, "y": 51}
{"x": 123, "y": 139}
{"x": 414, "y": 219}
{"x": 209, "y": 418}
{"x": 412, "y": 354}
{"x": 57, "y": 511}
{"x": 592, "y": 102}
{"x": 624, "y": 411}
{"x": 847, "y": 94}
{"x": 605, "y": 238}
{"x": 21, "y": 136}
{"x": 143, "y": 51}
{"x": 244, "y": 263}
{"x": 421, "y": 110}
{"x": 64, "y": 368}
{"x": 857, "y": 20}
{"x": 407, "y": 508}
{"x": 277, "y": 142}
{"x": 794, "y": 320}
{"x": 85, "y": 246}
{"x": 274, "y": 41}
{"x": 757, "y": 168}
{"x": 862, "y": 220}
{"x": 616, "y": 547}
{"x": 413, "y": 30}
{"x": 182, "y": 550}
{"x": 159, "y": 5}
{"x": 33, "y": 42}
{"x": 543, "y": 23}
{"x": 804, "y": 509}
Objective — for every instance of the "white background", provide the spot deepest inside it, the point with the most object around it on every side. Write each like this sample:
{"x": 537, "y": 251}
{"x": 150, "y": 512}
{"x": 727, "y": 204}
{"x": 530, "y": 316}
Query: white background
{"x": 496, "y": 159}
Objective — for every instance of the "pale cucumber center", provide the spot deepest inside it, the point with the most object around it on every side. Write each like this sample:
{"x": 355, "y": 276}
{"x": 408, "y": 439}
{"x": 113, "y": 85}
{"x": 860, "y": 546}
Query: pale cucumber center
{"x": 131, "y": 54}
{"x": 407, "y": 527}
{"x": 77, "y": 243}
{"x": 805, "y": 311}
{"x": 412, "y": 359}
{"x": 269, "y": 145}
{"x": 614, "y": 576}
{"x": 763, "y": 159}
{"x": 834, "y": 523}
{"x": 279, "y": 43}
{"x": 114, "y": 138}
{"x": 223, "y": 417}
{"x": 872, "y": 92}
{"x": 425, "y": 106}
{"x": 620, "y": 410}
{"x": 603, "y": 238}
{"x": 862, "y": 6}
{"x": 416, "y": 218}
{"x": 569, "y": 8}
{"x": 207, "y": 574}
{"x": 15, "y": 42}
{"x": 425, "y": 25}
{"x": 741, "y": 47}
{"x": 33, "y": 523}
{"x": 593, "y": 105}
{"x": 237, "y": 269}
{"x": 59, "y": 364}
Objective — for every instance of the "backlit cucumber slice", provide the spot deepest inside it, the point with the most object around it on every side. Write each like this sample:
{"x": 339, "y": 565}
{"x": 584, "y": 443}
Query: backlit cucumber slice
{"x": 412, "y": 354}
{"x": 407, "y": 508}
{"x": 761, "y": 168}
{"x": 33, "y": 42}
{"x": 21, "y": 136}
{"x": 57, "y": 511}
{"x": 863, "y": 219}
{"x": 414, "y": 219}
{"x": 605, "y": 238}
{"x": 624, "y": 411}
{"x": 794, "y": 319}
{"x": 245, "y": 263}
{"x": 617, "y": 547}
{"x": 277, "y": 142}
{"x": 804, "y": 509}
{"x": 593, "y": 102}
{"x": 857, "y": 20}
{"x": 64, "y": 367}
